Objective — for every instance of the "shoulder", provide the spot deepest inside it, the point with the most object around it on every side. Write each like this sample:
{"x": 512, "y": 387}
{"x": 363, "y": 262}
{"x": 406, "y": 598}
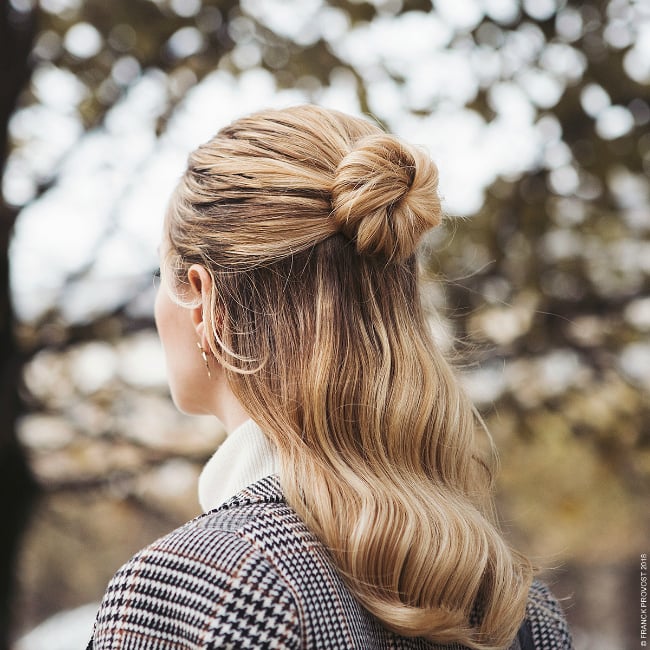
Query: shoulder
{"x": 204, "y": 585}
{"x": 549, "y": 627}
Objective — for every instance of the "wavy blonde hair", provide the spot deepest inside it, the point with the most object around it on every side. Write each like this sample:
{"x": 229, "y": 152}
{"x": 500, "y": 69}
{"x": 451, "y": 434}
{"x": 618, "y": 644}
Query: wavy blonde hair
{"x": 307, "y": 221}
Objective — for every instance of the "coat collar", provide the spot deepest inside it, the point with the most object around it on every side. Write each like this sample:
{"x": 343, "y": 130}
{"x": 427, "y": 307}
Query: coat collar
{"x": 266, "y": 490}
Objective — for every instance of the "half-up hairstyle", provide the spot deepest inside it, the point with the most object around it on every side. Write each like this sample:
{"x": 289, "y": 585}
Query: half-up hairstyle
{"x": 307, "y": 221}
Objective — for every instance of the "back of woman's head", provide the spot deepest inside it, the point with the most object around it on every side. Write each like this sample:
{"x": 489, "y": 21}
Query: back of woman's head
{"x": 308, "y": 221}
{"x": 280, "y": 182}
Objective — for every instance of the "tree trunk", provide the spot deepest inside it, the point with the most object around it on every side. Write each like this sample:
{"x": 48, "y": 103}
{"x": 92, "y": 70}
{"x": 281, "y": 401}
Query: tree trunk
{"x": 16, "y": 484}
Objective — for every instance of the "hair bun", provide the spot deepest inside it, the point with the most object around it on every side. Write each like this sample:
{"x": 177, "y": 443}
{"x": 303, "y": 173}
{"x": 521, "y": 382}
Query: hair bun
{"x": 385, "y": 196}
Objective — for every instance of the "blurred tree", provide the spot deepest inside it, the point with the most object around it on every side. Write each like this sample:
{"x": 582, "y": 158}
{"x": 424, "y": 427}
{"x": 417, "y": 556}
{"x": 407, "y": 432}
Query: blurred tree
{"x": 565, "y": 295}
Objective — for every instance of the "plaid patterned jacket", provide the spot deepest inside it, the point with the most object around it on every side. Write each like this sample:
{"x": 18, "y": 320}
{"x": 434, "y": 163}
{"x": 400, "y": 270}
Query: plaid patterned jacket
{"x": 250, "y": 575}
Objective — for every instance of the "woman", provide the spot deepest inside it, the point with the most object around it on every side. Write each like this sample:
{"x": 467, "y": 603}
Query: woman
{"x": 350, "y": 505}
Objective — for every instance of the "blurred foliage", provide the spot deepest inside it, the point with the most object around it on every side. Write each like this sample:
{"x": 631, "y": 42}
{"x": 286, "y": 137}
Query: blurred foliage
{"x": 547, "y": 286}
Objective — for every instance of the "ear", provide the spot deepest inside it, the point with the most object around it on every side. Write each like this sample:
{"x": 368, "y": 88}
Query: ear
{"x": 200, "y": 283}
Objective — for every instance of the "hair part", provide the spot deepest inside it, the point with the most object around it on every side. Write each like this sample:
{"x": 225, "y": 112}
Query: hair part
{"x": 308, "y": 221}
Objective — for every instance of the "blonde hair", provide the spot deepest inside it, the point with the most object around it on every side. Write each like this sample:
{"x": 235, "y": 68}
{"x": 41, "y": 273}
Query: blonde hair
{"x": 307, "y": 221}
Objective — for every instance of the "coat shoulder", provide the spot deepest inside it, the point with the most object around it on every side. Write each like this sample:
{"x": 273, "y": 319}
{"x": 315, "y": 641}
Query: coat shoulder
{"x": 203, "y": 585}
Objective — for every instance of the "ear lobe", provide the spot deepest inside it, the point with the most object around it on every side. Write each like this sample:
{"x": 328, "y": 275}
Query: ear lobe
{"x": 200, "y": 283}
{"x": 199, "y": 323}
{"x": 196, "y": 314}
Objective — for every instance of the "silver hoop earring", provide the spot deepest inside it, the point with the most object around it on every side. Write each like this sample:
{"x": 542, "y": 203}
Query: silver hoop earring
{"x": 205, "y": 358}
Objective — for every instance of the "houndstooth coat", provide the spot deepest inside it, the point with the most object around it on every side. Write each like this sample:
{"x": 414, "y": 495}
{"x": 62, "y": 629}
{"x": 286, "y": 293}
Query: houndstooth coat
{"x": 251, "y": 575}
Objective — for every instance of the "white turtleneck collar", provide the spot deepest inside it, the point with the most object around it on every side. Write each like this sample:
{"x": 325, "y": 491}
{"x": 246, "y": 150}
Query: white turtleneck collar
{"x": 244, "y": 457}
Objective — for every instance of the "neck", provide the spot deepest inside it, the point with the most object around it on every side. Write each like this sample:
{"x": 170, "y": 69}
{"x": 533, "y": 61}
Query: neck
{"x": 225, "y": 406}
{"x": 232, "y": 415}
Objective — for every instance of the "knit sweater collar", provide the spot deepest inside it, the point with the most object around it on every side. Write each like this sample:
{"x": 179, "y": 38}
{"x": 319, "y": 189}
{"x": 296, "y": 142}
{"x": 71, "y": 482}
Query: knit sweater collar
{"x": 244, "y": 457}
